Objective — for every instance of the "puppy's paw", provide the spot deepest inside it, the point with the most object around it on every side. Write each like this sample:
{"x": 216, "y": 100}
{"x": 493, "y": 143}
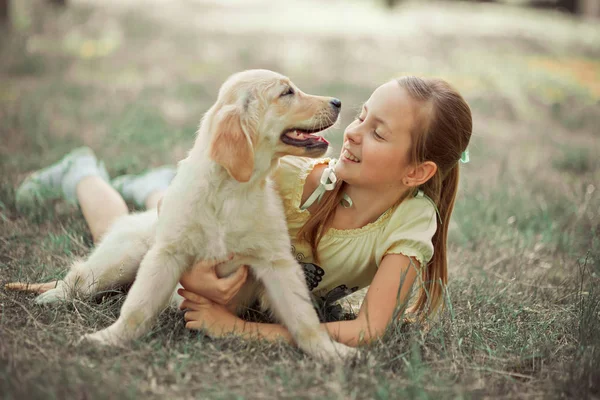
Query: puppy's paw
{"x": 103, "y": 337}
{"x": 52, "y": 296}
{"x": 341, "y": 352}
{"x": 330, "y": 351}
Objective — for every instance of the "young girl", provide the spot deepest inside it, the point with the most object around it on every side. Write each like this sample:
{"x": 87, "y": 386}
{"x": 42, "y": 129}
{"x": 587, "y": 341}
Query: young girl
{"x": 376, "y": 217}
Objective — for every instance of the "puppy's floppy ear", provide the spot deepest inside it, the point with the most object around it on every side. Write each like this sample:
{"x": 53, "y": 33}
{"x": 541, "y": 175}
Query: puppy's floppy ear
{"x": 230, "y": 146}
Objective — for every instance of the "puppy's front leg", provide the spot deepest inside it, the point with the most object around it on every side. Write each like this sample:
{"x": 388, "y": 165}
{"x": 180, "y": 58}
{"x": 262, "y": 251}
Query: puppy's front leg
{"x": 156, "y": 279}
{"x": 289, "y": 298}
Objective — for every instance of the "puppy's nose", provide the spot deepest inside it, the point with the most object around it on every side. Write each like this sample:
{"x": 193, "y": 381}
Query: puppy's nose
{"x": 336, "y": 103}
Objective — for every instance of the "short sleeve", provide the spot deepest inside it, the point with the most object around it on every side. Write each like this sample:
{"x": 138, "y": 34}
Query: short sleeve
{"x": 290, "y": 176}
{"x": 409, "y": 231}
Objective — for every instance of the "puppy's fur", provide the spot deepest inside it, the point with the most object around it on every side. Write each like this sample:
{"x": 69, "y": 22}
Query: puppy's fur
{"x": 221, "y": 202}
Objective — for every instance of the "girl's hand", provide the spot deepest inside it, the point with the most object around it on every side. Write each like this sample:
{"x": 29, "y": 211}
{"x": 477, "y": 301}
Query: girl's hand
{"x": 214, "y": 319}
{"x": 203, "y": 281}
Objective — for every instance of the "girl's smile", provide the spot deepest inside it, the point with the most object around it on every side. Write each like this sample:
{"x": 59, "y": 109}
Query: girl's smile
{"x": 347, "y": 156}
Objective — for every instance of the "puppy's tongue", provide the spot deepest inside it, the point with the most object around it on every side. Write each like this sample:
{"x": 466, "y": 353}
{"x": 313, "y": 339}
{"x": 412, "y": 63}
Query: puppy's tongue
{"x": 299, "y": 135}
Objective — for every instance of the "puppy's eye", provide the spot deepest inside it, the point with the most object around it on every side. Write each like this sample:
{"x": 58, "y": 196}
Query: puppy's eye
{"x": 287, "y": 92}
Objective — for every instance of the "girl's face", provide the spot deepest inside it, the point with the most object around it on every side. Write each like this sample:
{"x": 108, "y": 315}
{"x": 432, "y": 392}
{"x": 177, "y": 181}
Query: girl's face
{"x": 377, "y": 143}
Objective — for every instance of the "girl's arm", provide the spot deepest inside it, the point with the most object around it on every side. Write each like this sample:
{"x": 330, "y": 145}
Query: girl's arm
{"x": 376, "y": 312}
{"x": 390, "y": 288}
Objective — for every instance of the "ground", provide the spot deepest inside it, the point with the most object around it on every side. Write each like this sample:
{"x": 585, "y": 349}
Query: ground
{"x": 132, "y": 79}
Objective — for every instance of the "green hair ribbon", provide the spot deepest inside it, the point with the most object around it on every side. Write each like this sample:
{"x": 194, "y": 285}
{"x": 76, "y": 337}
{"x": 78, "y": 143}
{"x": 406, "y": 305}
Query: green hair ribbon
{"x": 464, "y": 157}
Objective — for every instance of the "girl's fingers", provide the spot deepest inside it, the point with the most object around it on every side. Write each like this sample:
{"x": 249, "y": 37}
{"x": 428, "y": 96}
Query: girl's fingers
{"x": 192, "y": 316}
{"x": 190, "y": 305}
{"x": 193, "y": 325}
{"x": 193, "y": 297}
{"x": 31, "y": 287}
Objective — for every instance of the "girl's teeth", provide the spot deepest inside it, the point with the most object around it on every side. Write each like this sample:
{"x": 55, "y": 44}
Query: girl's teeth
{"x": 350, "y": 156}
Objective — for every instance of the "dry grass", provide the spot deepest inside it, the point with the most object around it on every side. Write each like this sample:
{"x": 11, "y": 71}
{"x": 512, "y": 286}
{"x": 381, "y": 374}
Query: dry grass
{"x": 523, "y": 306}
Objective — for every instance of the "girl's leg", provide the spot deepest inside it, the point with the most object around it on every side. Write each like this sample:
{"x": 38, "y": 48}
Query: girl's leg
{"x": 146, "y": 189}
{"x": 100, "y": 204}
{"x": 59, "y": 180}
{"x": 154, "y": 198}
{"x": 79, "y": 178}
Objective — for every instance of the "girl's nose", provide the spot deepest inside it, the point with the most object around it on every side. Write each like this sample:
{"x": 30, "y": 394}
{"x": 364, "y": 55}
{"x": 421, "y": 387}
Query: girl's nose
{"x": 353, "y": 135}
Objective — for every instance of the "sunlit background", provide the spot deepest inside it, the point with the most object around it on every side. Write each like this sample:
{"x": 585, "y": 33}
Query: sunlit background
{"x": 164, "y": 60}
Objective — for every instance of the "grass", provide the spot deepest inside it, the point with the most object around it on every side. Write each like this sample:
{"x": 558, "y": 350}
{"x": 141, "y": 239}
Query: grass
{"x": 523, "y": 309}
{"x": 575, "y": 161}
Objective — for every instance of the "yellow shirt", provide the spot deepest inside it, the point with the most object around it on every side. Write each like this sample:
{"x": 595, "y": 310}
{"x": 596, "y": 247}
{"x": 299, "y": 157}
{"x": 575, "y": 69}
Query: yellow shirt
{"x": 350, "y": 257}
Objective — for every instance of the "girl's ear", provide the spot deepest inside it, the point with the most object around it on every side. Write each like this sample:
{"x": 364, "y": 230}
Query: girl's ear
{"x": 231, "y": 147}
{"x": 420, "y": 174}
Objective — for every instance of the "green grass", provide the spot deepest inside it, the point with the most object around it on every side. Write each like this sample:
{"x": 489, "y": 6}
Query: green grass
{"x": 522, "y": 316}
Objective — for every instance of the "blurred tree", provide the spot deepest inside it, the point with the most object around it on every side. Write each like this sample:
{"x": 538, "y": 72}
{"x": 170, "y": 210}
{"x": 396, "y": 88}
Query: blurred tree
{"x": 590, "y": 8}
{"x": 5, "y": 10}
{"x": 4, "y": 13}
{"x": 569, "y": 6}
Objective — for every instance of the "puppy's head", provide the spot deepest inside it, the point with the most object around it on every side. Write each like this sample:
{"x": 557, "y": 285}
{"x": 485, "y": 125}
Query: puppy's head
{"x": 262, "y": 113}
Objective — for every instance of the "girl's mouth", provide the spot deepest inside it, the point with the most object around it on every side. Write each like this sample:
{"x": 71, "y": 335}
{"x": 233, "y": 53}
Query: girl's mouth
{"x": 346, "y": 155}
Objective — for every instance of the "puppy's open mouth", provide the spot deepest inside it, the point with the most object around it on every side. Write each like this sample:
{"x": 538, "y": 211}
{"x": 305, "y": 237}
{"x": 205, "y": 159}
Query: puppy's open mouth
{"x": 304, "y": 138}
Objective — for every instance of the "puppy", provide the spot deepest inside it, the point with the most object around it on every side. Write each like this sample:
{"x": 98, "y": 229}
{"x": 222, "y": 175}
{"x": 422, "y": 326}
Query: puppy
{"x": 221, "y": 202}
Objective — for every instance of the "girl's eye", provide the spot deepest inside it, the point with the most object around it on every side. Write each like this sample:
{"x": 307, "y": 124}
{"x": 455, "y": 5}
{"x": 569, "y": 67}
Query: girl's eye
{"x": 377, "y": 136}
{"x": 288, "y": 92}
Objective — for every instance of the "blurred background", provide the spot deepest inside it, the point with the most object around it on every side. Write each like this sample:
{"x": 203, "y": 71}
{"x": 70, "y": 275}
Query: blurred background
{"x": 132, "y": 78}
{"x": 147, "y": 70}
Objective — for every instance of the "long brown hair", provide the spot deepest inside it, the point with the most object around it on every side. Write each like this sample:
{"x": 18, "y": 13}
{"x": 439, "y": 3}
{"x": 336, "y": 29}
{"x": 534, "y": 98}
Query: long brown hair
{"x": 441, "y": 134}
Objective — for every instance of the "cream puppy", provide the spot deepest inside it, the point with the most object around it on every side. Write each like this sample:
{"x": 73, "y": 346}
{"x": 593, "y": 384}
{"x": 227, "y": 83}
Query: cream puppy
{"x": 221, "y": 202}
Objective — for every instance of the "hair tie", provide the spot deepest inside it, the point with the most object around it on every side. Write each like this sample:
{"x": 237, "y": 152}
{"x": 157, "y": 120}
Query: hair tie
{"x": 464, "y": 157}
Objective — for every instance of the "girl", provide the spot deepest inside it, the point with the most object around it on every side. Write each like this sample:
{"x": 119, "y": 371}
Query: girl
{"x": 376, "y": 217}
